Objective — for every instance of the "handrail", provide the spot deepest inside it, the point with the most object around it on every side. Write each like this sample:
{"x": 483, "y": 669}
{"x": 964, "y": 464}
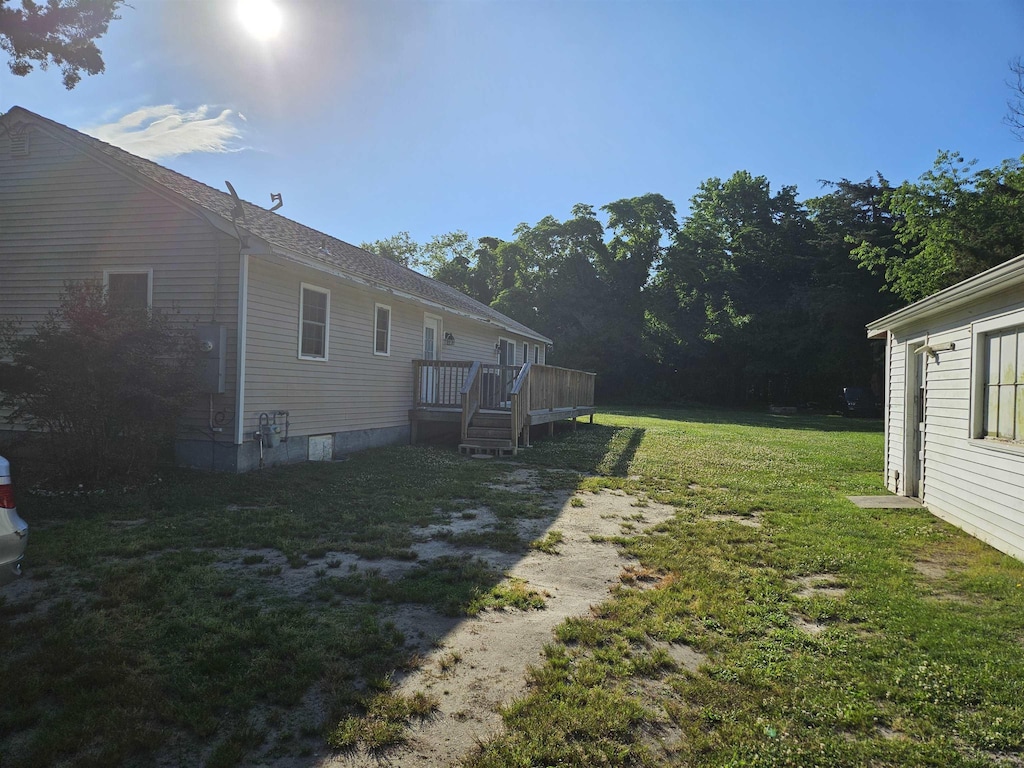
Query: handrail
{"x": 470, "y": 394}
{"x": 520, "y": 397}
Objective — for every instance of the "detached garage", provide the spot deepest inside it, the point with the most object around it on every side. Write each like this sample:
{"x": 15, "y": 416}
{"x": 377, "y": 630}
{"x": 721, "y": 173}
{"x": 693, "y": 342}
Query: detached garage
{"x": 954, "y": 416}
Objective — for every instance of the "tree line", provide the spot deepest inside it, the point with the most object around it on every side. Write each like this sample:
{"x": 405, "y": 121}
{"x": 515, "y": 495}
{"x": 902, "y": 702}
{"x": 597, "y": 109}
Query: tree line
{"x": 753, "y": 296}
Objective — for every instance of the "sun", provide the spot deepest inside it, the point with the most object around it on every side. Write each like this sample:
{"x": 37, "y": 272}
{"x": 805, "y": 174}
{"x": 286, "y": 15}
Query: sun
{"x": 260, "y": 18}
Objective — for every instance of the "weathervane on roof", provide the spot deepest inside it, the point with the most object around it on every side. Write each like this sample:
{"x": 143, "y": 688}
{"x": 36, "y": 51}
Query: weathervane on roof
{"x": 275, "y": 198}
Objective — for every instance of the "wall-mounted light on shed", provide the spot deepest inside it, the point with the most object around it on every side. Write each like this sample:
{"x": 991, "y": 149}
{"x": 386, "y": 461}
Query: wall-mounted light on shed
{"x": 932, "y": 350}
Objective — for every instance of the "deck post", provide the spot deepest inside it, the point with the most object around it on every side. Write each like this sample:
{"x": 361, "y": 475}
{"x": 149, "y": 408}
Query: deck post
{"x": 551, "y": 429}
{"x": 574, "y": 423}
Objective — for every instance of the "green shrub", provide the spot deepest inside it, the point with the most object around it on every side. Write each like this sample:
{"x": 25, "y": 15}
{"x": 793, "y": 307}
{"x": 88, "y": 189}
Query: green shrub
{"x": 106, "y": 385}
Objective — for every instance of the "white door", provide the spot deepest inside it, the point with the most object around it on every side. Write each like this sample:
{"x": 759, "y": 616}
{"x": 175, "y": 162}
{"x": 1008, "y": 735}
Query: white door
{"x": 431, "y": 329}
{"x": 916, "y": 419}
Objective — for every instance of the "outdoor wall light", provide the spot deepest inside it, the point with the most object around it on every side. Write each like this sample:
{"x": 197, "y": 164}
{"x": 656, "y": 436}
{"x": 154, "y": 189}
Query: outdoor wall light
{"x": 449, "y": 339}
{"x": 934, "y": 349}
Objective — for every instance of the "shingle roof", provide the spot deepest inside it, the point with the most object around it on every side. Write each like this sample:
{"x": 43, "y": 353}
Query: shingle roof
{"x": 289, "y": 235}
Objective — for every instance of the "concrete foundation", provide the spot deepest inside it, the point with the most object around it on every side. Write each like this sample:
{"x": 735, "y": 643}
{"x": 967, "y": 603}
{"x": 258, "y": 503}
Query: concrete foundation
{"x": 227, "y": 457}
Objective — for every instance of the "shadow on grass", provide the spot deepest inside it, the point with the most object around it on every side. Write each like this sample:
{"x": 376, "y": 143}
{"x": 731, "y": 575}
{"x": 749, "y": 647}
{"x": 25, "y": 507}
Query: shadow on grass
{"x": 592, "y": 449}
{"x": 747, "y": 418}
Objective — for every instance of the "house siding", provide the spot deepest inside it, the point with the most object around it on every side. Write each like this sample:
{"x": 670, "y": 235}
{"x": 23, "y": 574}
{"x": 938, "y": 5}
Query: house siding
{"x": 353, "y": 392}
{"x": 65, "y": 216}
{"x": 977, "y": 485}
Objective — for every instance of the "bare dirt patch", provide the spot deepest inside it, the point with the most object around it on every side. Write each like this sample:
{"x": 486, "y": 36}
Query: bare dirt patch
{"x": 751, "y": 521}
{"x": 477, "y": 665}
{"x": 819, "y": 584}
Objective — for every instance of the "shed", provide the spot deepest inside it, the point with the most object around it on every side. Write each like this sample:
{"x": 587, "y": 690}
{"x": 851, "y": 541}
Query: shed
{"x": 954, "y": 413}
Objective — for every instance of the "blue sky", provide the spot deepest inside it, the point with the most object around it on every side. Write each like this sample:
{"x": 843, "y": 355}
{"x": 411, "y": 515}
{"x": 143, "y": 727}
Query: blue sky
{"x": 373, "y": 117}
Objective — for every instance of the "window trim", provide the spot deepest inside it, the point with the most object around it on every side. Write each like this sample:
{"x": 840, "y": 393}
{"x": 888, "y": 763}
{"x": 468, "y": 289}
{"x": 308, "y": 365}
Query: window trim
{"x": 377, "y": 306}
{"x": 303, "y": 287}
{"x": 148, "y": 271}
{"x": 979, "y": 332}
{"x": 536, "y": 354}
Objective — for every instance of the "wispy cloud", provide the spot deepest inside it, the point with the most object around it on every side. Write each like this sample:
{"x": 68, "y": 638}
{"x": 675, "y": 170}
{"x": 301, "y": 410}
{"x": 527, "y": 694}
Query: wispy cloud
{"x": 166, "y": 131}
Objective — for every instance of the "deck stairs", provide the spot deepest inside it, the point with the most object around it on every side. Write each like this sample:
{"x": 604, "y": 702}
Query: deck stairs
{"x": 489, "y": 432}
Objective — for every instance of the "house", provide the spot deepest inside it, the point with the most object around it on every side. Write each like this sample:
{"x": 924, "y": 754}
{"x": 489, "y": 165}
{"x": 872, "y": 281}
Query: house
{"x": 954, "y": 420}
{"x": 314, "y": 347}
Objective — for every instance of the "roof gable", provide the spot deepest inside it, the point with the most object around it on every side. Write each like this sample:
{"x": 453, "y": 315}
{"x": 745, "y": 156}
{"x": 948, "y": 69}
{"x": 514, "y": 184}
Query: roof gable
{"x": 318, "y": 249}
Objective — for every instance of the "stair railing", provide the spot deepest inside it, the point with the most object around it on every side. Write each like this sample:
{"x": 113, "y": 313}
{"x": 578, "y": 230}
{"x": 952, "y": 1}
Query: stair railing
{"x": 470, "y": 393}
{"x": 520, "y": 396}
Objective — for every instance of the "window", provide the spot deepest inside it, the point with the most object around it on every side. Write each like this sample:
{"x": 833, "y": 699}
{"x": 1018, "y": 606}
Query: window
{"x": 314, "y": 318}
{"x": 1003, "y": 371}
{"x": 130, "y": 290}
{"x": 382, "y": 329}
{"x": 506, "y": 352}
{"x": 526, "y": 352}
{"x": 536, "y": 354}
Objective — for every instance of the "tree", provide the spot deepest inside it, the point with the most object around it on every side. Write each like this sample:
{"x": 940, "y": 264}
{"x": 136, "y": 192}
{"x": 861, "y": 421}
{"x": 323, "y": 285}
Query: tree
{"x": 400, "y": 248}
{"x": 63, "y": 32}
{"x": 106, "y": 385}
{"x": 1015, "y": 104}
{"x": 951, "y": 224}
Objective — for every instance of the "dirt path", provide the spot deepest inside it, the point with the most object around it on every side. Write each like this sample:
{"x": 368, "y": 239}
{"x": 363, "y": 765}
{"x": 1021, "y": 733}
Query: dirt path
{"x": 480, "y": 665}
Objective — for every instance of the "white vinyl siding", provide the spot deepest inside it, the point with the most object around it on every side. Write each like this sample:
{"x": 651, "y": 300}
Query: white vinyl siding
{"x": 314, "y": 326}
{"x": 381, "y": 329}
{"x": 970, "y": 480}
{"x": 68, "y": 218}
{"x": 355, "y": 389}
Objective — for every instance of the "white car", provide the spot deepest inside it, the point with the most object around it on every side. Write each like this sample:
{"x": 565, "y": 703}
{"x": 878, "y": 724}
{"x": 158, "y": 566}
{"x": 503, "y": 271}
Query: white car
{"x": 13, "y": 530}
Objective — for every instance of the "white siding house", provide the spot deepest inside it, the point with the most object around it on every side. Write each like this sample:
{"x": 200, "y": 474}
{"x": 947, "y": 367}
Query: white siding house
{"x": 954, "y": 421}
{"x": 319, "y": 341}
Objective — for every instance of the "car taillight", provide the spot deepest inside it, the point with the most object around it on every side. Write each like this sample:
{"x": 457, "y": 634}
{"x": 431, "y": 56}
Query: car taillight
{"x": 6, "y": 495}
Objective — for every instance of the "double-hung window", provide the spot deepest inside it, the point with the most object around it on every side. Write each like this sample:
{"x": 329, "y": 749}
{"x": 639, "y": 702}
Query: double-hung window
{"x": 314, "y": 322}
{"x": 381, "y": 329}
{"x": 1003, "y": 382}
{"x": 129, "y": 289}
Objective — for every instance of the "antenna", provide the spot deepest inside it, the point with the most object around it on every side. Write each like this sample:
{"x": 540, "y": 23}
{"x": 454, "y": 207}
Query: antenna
{"x": 275, "y": 198}
{"x": 238, "y": 212}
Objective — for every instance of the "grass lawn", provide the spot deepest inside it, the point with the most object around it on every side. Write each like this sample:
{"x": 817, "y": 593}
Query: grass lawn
{"x": 163, "y": 624}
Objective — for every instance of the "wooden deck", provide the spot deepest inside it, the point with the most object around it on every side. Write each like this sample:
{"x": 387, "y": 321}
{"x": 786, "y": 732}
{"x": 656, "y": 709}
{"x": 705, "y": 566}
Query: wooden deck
{"x": 496, "y": 405}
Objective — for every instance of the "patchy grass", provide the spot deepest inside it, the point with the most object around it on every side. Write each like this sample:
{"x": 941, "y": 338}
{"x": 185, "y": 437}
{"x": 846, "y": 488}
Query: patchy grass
{"x": 149, "y": 631}
{"x": 549, "y": 543}
{"x": 208, "y": 620}
{"x": 903, "y": 669}
{"x": 511, "y": 593}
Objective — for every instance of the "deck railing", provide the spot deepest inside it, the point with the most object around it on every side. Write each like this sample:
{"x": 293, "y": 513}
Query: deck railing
{"x": 439, "y": 383}
{"x": 520, "y": 397}
{"x": 552, "y": 388}
{"x": 443, "y": 383}
{"x": 473, "y": 386}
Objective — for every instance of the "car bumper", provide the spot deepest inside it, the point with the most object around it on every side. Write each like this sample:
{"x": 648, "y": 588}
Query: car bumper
{"x": 11, "y": 571}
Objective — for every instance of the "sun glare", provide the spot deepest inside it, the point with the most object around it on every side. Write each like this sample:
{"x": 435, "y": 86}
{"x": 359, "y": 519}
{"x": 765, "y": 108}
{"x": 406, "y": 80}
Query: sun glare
{"x": 260, "y": 18}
